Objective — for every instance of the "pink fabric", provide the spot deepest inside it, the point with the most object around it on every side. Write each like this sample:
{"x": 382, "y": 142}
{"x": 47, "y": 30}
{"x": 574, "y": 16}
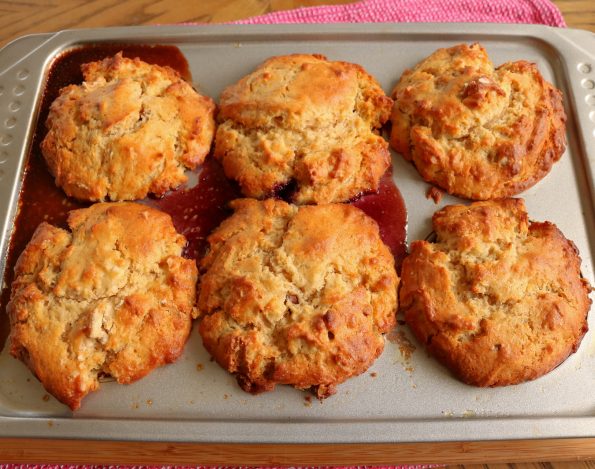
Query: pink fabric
{"x": 383, "y": 11}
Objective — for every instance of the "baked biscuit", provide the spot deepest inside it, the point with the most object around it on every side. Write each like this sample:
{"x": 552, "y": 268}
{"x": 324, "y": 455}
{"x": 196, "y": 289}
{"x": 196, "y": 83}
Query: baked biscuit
{"x": 113, "y": 296}
{"x": 128, "y": 130}
{"x": 476, "y": 131}
{"x": 307, "y": 123}
{"x": 497, "y": 299}
{"x": 297, "y": 296}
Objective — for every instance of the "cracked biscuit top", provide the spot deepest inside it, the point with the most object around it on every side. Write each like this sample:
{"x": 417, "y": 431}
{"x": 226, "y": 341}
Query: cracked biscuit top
{"x": 128, "y": 130}
{"x": 307, "y": 123}
{"x": 475, "y": 131}
{"x": 497, "y": 299}
{"x": 297, "y": 296}
{"x": 112, "y": 296}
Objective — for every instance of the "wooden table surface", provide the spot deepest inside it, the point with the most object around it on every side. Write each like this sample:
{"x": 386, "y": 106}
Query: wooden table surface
{"x": 22, "y": 17}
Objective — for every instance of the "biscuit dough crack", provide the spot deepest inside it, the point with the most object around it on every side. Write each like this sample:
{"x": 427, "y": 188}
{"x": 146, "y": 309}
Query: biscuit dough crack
{"x": 112, "y": 296}
{"x": 297, "y": 296}
{"x": 128, "y": 130}
{"x": 498, "y": 299}
{"x": 305, "y": 121}
{"x": 477, "y": 131}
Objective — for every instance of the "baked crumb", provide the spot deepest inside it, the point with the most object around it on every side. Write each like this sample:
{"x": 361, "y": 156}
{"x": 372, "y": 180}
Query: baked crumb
{"x": 399, "y": 338}
{"x": 435, "y": 194}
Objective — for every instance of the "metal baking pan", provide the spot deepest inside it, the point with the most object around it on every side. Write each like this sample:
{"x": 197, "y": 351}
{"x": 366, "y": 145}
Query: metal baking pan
{"x": 401, "y": 398}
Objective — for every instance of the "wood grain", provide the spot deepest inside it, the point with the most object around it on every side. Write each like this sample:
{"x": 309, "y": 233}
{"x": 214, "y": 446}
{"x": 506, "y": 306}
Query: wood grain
{"x": 22, "y": 17}
{"x": 135, "y": 453}
{"x": 35, "y": 16}
{"x": 578, "y": 13}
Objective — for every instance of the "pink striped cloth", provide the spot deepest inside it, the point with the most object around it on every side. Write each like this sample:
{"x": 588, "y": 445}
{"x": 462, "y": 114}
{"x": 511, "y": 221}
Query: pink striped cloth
{"x": 421, "y": 11}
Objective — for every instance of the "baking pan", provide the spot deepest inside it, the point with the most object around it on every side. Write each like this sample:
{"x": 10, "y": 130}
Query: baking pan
{"x": 405, "y": 396}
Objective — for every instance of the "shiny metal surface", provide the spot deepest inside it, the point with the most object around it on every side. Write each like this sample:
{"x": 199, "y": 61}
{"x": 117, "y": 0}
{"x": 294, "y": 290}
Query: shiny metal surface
{"x": 408, "y": 399}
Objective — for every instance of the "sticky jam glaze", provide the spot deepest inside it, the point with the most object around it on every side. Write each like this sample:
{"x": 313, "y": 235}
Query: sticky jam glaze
{"x": 388, "y": 209}
{"x": 195, "y": 209}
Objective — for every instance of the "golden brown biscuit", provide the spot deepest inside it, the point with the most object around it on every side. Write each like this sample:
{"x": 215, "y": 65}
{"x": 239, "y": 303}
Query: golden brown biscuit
{"x": 129, "y": 130}
{"x": 496, "y": 299}
{"x": 304, "y": 122}
{"x": 112, "y": 296}
{"x": 297, "y": 296}
{"x": 476, "y": 131}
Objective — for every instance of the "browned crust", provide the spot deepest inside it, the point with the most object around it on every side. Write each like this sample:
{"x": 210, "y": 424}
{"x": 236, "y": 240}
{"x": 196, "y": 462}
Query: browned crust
{"x": 301, "y": 119}
{"x": 497, "y": 299}
{"x": 128, "y": 130}
{"x": 476, "y": 131}
{"x": 112, "y": 296}
{"x": 297, "y": 296}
